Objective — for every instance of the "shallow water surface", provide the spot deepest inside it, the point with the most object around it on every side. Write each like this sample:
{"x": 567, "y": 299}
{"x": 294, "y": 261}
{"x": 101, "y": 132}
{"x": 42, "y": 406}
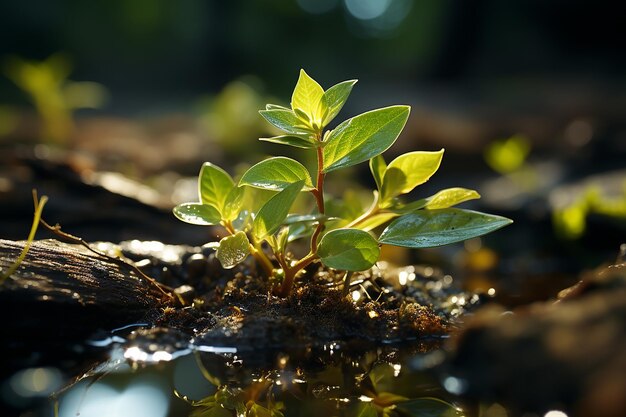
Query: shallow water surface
{"x": 335, "y": 379}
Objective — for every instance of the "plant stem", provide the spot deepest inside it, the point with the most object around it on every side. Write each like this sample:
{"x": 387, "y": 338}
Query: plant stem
{"x": 228, "y": 225}
{"x": 39, "y": 204}
{"x": 346, "y": 283}
{"x": 262, "y": 259}
{"x": 292, "y": 270}
{"x": 319, "y": 186}
{"x": 319, "y": 195}
{"x": 290, "y": 274}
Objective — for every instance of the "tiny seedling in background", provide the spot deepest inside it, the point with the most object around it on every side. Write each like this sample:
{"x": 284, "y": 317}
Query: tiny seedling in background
{"x": 570, "y": 219}
{"x": 345, "y": 244}
{"x": 509, "y": 157}
{"x": 55, "y": 97}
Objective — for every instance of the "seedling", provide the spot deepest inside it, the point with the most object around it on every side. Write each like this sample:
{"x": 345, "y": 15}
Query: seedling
{"x": 54, "y": 96}
{"x": 345, "y": 244}
{"x": 570, "y": 219}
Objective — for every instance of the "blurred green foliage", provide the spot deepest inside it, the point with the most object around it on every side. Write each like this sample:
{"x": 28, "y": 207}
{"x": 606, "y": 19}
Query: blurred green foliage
{"x": 508, "y": 155}
{"x": 230, "y": 118}
{"x": 53, "y": 95}
{"x": 570, "y": 221}
{"x": 8, "y": 120}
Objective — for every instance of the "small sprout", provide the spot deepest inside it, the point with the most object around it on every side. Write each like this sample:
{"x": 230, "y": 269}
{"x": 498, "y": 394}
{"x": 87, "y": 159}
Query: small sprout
{"x": 509, "y": 155}
{"x": 169, "y": 310}
{"x": 570, "y": 218}
{"x": 343, "y": 242}
{"x": 39, "y": 205}
{"x": 53, "y": 95}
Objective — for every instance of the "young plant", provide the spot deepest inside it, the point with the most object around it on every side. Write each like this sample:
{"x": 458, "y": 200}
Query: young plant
{"x": 345, "y": 244}
{"x": 54, "y": 96}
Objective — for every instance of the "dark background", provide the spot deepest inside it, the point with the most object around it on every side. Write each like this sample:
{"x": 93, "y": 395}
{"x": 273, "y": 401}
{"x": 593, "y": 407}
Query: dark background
{"x": 473, "y": 71}
{"x": 159, "y": 48}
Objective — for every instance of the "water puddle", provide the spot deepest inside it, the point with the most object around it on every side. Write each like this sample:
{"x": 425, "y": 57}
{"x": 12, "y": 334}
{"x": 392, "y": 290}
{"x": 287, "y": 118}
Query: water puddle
{"x": 219, "y": 381}
{"x": 155, "y": 374}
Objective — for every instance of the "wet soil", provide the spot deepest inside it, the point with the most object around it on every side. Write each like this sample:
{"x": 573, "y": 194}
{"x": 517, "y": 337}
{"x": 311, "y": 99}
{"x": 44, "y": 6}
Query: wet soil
{"x": 568, "y": 354}
{"x": 219, "y": 307}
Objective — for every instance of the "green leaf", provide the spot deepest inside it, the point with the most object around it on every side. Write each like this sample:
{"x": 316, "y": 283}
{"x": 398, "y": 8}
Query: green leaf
{"x": 276, "y": 173}
{"x": 214, "y": 184}
{"x": 197, "y": 213}
{"x": 430, "y": 228}
{"x": 304, "y": 117}
{"x": 307, "y": 95}
{"x": 307, "y": 218}
{"x": 275, "y": 107}
{"x": 303, "y": 225}
{"x": 378, "y": 166}
{"x": 273, "y": 213}
{"x": 257, "y": 410}
{"x": 285, "y": 120}
{"x": 407, "y": 172}
{"x": 382, "y": 376}
{"x": 256, "y": 197}
{"x": 213, "y": 410}
{"x": 443, "y": 199}
{"x": 407, "y": 208}
{"x": 333, "y": 100}
{"x": 364, "y": 136}
{"x": 375, "y": 221}
{"x": 242, "y": 220}
{"x": 228, "y": 399}
{"x": 429, "y": 407}
{"x": 348, "y": 249}
{"x": 233, "y": 249}
{"x": 279, "y": 241}
{"x": 347, "y": 207}
{"x": 450, "y": 197}
{"x": 389, "y": 398}
{"x": 233, "y": 203}
{"x": 300, "y": 230}
{"x": 295, "y": 141}
{"x": 366, "y": 410}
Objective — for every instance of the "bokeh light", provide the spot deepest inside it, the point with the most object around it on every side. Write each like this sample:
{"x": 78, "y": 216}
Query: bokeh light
{"x": 145, "y": 396}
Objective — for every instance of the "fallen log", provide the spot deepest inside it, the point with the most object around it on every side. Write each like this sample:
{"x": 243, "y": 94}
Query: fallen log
{"x": 63, "y": 293}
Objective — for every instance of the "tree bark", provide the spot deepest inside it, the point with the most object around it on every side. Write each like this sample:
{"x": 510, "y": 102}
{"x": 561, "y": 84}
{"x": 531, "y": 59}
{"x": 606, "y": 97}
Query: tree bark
{"x": 63, "y": 293}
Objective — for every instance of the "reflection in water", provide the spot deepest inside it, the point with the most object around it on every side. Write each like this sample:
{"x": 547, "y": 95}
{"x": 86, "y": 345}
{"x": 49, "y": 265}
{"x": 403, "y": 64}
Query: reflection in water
{"x": 36, "y": 382}
{"x": 30, "y": 385}
{"x": 145, "y": 395}
{"x": 136, "y": 354}
{"x": 455, "y": 385}
{"x": 555, "y": 413}
{"x": 335, "y": 379}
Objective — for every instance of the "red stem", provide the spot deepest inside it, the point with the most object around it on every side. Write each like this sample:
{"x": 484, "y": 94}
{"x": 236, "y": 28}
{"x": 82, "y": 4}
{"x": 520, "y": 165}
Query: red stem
{"x": 291, "y": 271}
